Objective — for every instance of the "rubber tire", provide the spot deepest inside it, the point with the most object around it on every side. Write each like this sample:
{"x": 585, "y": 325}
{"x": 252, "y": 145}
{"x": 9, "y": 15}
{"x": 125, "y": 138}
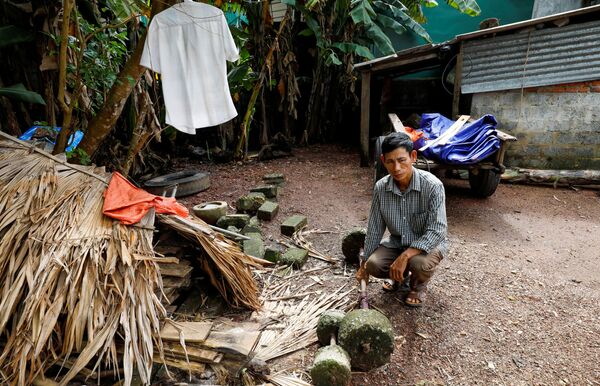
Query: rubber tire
{"x": 484, "y": 183}
{"x": 188, "y": 182}
{"x": 380, "y": 170}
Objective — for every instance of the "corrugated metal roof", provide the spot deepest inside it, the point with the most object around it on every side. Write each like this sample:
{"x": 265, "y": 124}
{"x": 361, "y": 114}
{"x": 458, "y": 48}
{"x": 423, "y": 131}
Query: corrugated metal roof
{"x": 532, "y": 58}
{"x": 531, "y": 22}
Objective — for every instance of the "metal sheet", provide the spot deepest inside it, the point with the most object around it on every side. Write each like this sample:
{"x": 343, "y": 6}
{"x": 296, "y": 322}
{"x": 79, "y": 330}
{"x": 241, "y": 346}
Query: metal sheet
{"x": 532, "y": 58}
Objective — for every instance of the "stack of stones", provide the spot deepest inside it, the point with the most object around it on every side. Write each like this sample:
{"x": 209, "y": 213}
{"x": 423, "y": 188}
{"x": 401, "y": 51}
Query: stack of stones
{"x": 260, "y": 204}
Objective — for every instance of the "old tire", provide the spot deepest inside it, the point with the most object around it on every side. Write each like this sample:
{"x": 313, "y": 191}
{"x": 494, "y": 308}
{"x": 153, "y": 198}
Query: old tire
{"x": 483, "y": 182}
{"x": 368, "y": 337}
{"x": 188, "y": 182}
{"x": 380, "y": 170}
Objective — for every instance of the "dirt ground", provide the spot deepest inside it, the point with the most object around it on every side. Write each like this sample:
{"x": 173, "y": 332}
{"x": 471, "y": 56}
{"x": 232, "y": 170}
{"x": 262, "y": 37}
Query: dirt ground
{"x": 515, "y": 302}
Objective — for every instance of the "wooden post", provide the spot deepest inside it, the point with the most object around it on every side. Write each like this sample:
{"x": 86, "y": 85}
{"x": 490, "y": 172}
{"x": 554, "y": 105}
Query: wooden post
{"x": 365, "y": 116}
{"x": 457, "y": 82}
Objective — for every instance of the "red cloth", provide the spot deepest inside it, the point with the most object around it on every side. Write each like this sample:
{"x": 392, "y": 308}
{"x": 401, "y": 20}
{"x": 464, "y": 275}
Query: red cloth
{"x": 123, "y": 201}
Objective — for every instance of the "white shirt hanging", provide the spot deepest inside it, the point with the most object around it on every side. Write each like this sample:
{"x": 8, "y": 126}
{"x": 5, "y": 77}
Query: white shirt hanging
{"x": 188, "y": 45}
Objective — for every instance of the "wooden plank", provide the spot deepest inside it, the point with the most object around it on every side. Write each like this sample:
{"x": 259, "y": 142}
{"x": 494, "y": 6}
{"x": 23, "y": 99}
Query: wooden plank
{"x": 236, "y": 339}
{"x": 449, "y": 133}
{"x": 175, "y": 270}
{"x": 172, "y": 250}
{"x": 457, "y": 82}
{"x": 396, "y": 123}
{"x": 194, "y": 367}
{"x": 193, "y": 332}
{"x": 365, "y": 117}
{"x": 192, "y": 303}
{"x": 176, "y": 282}
{"x": 195, "y": 353}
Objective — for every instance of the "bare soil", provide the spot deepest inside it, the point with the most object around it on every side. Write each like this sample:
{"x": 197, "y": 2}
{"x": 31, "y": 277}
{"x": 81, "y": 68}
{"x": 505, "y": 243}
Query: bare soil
{"x": 515, "y": 302}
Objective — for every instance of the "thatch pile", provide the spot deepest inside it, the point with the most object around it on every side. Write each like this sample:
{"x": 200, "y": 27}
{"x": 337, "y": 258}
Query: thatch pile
{"x": 75, "y": 286}
{"x": 228, "y": 268}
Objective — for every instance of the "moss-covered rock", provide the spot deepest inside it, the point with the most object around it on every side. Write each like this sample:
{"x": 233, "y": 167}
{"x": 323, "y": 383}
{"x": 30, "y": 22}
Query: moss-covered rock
{"x": 250, "y": 202}
{"x": 329, "y": 322}
{"x": 237, "y": 220}
{"x": 295, "y": 257}
{"x": 368, "y": 337}
{"x": 352, "y": 242}
{"x": 331, "y": 367}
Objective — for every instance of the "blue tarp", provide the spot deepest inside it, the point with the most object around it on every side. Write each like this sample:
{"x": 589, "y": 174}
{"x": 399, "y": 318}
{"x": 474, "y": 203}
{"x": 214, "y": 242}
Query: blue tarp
{"x": 473, "y": 143}
{"x": 72, "y": 143}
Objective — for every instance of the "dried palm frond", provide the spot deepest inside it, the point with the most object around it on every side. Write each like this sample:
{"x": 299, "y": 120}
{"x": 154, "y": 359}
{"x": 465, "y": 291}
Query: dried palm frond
{"x": 299, "y": 239}
{"x": 71, "y": 280}
{"x": 286, "y": 380}
{"x": 297, "y": 323}
{"x": 228, "y": 268}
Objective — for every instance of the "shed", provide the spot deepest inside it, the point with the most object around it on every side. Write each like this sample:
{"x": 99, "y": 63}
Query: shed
{"x": 540, "y": 78}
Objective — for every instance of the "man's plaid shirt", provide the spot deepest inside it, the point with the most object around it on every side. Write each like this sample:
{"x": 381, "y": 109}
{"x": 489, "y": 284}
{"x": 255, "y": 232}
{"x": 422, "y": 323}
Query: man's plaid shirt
{"x": 415, "y": 218}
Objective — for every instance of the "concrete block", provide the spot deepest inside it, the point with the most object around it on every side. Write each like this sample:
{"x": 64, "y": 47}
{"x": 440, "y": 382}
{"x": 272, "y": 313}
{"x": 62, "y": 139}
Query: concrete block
{"x": 254, "y": 221}
{"x": 255, "y": 246}
{"x": 251, "y": 229}
{"x": 250, "y": 202}
{"x": 231, "y": 228}
{"x": 237, "y": 220}
{"x": 295, "y": 257}
{"x": 293, "y": 224}
{"x": 273, "y": 254}
{"x": 268, "y": 211}
{"x": 274, "y": 179}
{"x": 270, "y": 191}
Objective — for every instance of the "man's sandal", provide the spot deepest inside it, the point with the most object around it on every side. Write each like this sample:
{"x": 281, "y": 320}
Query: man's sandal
{"x": 415, "y": 295}
{"x": 390, "y": 285}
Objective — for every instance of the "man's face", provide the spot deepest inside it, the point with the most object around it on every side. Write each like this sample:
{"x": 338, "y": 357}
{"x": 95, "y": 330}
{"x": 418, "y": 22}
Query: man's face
{"x": 399, "y": 163}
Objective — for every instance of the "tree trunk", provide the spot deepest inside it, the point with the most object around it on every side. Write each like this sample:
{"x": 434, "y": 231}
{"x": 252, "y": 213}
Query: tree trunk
{"x": 552, "y": 177}
{"x": 264, "y": 132}
{"x": 104, "y": 121}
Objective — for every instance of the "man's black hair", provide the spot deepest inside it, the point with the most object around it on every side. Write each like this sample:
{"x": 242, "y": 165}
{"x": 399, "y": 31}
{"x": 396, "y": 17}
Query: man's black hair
{"x": 395, "y": 140}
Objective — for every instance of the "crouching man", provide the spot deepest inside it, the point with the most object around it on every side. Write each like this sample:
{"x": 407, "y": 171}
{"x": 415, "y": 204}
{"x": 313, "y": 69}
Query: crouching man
{"x": 410, "y": 203}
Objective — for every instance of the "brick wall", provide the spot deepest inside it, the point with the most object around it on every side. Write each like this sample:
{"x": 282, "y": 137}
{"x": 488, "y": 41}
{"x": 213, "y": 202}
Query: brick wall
{"x": 558, "y": 127}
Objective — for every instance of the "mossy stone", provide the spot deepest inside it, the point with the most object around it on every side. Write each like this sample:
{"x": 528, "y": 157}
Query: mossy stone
{"x": 368, "y": 337}
{"x": 296, "y": 257}
{"x": 331, "y": 367}
{"x": 352, "y": 242}
{"x": 329, "y": 322}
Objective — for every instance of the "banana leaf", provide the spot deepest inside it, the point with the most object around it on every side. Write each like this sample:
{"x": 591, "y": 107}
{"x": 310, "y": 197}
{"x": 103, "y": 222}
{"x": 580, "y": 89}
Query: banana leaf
{"x": 10, "y": 34}
{"x": 468, "y": 7}
{"x": 19, "y": 92}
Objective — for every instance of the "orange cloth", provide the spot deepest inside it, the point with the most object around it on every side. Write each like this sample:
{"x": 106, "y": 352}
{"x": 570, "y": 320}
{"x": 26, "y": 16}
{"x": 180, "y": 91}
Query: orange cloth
{"x": 412, "y": 133}
{"x": 123, "y": 201}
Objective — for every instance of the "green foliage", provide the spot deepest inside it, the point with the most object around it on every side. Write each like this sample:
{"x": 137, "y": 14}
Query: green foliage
{"x": 19, "y": 92}
{"x": 468, "y": 7}
{"x": 81, "y": 155}
{"x": 122, "y": 9}
{"x": 10, "y": 34}
{"x": 103, "y": 57}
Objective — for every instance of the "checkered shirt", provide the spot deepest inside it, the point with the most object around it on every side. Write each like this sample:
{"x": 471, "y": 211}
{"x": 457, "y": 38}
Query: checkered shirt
{"x": 415, "y": 218}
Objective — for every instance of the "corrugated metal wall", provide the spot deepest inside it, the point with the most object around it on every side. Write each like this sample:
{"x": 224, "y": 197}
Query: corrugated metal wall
{"x": 532, "y": 58}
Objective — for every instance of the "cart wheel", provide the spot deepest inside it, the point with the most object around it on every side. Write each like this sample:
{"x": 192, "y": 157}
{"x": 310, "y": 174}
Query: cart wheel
{"x": 483, "y": 182}
{"x": 380, "y": 170}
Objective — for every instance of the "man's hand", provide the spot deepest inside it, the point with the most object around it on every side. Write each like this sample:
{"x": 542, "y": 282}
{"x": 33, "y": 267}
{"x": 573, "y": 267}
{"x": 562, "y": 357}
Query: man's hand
{"x": 399, "y": 266}
{"x": 362, "y": 273}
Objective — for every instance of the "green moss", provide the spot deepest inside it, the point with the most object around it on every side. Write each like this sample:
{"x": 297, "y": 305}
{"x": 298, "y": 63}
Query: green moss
{"x": 329, "y": 322}
{"x": 331, "y": 367}
{"x": 368, "y": 337}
